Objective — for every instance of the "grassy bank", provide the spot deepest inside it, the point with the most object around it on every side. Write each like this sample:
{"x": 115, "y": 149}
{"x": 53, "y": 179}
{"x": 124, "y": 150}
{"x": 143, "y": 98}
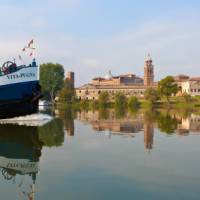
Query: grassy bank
{"x": 174, "y": 103}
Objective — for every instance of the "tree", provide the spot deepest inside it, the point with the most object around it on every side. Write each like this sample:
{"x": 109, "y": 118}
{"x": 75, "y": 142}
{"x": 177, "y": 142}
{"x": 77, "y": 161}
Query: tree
{"x": 103, "y": 99}
{"x": 152, "y": 95}
{"x": 120, "y": 100}
{"x": 167, "y": 87}
{"x": 133, "y": 102}
{"x": 187, "y": 97}
{"x": 51, "y": 79}
{"x": 67, "y": 93}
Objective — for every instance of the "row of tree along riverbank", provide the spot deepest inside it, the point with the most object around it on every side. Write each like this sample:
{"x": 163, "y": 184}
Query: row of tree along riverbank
{"x": 54, "y": 85}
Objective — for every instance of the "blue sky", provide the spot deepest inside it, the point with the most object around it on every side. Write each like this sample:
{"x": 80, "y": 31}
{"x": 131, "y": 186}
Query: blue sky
{"x": 92, "y": 36}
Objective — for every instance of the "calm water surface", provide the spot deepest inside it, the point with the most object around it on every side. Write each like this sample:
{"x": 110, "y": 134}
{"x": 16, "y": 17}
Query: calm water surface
{"x": 102, "y": 154}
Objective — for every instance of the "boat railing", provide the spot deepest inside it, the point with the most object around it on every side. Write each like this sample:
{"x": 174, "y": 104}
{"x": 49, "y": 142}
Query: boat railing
{"x": 12, "y": 69}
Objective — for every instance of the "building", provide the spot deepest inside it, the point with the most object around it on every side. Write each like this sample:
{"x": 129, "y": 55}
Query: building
{"x": 128, "y": 84}
{"x": 148, "y": 72}
{"x": 191, "y": 86}
{"x": 71, "y": 78}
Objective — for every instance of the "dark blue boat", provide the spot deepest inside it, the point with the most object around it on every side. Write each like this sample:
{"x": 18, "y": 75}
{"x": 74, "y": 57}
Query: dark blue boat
{"x": 19, "y": 89}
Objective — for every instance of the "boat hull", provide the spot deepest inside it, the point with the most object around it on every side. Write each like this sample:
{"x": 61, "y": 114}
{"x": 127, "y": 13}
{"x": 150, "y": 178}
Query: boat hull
{"x": 17, "y": 108}
{"x": 19, "y": 91}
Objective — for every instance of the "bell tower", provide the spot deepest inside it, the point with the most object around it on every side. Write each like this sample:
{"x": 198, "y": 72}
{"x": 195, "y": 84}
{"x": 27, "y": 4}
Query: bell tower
{"x": 148, "y": 71}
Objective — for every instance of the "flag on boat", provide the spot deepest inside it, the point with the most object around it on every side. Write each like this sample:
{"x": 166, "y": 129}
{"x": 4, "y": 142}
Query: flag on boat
{"x": 30, "y": 43}
{"x": 29, "y": 46}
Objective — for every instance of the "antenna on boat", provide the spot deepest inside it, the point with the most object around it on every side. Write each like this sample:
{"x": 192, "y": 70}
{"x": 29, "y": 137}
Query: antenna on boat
{"x": 21, "y": 59}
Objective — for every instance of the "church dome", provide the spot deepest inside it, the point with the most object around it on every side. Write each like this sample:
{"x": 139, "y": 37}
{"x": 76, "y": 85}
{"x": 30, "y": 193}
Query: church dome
{"x": 109, "y": 75}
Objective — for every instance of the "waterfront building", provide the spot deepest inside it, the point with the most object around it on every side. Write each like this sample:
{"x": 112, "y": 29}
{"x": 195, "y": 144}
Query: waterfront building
{"x": 133, "y": 85}
{"x": 191, "y": 86}
{"x": 71, "y": 78}
{"x": 128, "y": 84}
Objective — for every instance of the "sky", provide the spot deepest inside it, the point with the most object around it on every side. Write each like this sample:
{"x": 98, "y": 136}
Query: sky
{"x": 91, "y": 37}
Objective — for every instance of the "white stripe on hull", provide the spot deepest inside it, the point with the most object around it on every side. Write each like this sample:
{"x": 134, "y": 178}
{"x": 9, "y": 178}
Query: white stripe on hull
{"x": 23, "y": 165}
{"x": 23, "y": 75}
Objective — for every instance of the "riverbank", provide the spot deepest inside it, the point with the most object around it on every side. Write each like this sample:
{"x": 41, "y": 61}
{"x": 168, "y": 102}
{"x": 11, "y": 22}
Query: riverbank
{"x": 140, "y": 103}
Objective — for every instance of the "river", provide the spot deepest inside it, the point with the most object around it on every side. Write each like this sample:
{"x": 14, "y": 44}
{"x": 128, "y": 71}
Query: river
{"x": 104, "y": 154}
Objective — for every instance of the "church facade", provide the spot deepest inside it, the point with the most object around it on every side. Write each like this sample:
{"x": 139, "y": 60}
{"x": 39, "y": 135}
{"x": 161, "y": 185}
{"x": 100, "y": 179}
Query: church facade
{"x": 128, "y": 84}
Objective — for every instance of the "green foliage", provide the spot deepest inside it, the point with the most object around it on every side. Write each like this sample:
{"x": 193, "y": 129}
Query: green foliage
{"x": 67, "y": 93}
{"x": 120, "y": 112}
{"x": 51, "y": 79}
{"x": 94, "y": 104}
{"x": 67, "y": 115}
{"x": 103, "y": 113}
{"x": 187, "y": 98}
{"x": 152, "y": 95}
{"x": 52, "y": 133}
{"x": 103, "y": 99}
{"x": 84, "y": 104}
{"x": 120, "y": 100}
{"x": 167, "y": 87}
{"x": 167, "y": 124}
{"x": 133, "y": 102}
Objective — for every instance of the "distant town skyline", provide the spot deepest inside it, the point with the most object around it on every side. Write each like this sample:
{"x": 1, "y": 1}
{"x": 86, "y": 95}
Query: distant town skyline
{"x": 91, "y": 37}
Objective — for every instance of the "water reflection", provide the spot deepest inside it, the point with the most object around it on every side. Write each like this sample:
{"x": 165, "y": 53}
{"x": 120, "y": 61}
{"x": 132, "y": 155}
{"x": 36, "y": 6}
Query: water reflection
{"x": 52, "y": 133}
{"x": 79, "y": 164}
{"x": 21, "y": 150}
{"x": 128, "y": 123}
{"x": 67, "y": 116}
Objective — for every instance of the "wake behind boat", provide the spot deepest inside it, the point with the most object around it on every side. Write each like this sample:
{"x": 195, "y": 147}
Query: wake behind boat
{"x": 19, "y": 88}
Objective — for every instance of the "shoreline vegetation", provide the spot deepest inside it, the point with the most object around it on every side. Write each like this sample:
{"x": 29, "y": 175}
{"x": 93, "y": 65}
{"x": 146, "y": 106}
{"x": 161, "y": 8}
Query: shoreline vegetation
{"x": 61, "y": 93}
{"x": 178, "y": 103}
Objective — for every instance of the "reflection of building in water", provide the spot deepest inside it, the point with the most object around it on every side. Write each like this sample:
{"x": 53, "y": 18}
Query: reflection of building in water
{"x": 148, "y": 135}
{"x": 126, "y": 126}
{"x": 68, "y": 120}
{"x": 189, "y": 124}
{"x": 20, "y": 150}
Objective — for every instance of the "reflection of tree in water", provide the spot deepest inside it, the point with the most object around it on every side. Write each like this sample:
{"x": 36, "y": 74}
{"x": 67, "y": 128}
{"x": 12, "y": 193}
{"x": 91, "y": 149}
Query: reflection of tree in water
{"x": 133, "y": 111}
{"x": 120, "y": 112}
{"x": 103, "y": 113}
{"x": 67, "y": 116}
{"x": 52, "y": 133}
{"x": 150, "y": 115}
{"x": 167, "y": 123}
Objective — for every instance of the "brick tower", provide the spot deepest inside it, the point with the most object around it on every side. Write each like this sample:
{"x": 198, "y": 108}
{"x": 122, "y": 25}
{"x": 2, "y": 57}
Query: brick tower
{"x": 70, "y": 77}
{"x": 148, "y": 71}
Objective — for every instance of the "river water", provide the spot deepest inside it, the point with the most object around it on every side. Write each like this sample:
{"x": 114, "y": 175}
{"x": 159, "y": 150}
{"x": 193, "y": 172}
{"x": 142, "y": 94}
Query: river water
{"x": 105, "y": 154}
